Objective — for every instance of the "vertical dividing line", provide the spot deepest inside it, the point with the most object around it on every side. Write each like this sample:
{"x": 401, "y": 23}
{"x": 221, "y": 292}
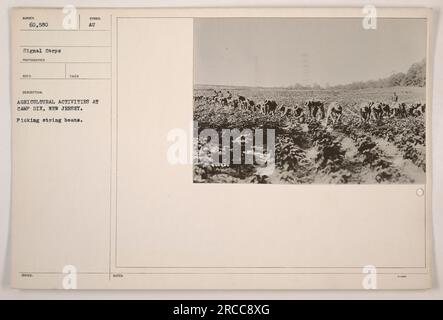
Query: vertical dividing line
{"x": 111, "y": 162}
{"x": 116, "y": 144}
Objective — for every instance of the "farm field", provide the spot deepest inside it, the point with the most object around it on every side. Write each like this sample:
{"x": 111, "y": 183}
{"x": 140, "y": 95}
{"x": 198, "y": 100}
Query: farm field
{"x": 389, "y": 149}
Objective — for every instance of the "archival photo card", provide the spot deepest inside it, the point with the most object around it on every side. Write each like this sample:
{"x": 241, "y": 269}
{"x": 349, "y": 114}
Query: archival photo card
{"x": 144, "y": 140}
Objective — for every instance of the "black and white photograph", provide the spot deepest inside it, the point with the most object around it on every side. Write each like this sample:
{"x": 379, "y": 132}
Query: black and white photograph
{"x": 310, "y": 100}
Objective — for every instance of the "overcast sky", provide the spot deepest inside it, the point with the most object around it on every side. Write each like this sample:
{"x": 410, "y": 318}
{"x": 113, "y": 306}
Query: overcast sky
{"x": 282, "y": 52}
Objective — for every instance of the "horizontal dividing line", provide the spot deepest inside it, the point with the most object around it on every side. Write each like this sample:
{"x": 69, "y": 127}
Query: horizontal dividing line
{"x": 72, "y": 79}
{"x": 165, "y": 267}
{"x": 58, "y": 272}
{"x": 263, "y": 273}
{"x": 65, "y": 62}
{"x": 217, "y": 16}
{"x": 219, "y": 273}
{"x": 45, "y": 46}
{"x": 68, "y": 30}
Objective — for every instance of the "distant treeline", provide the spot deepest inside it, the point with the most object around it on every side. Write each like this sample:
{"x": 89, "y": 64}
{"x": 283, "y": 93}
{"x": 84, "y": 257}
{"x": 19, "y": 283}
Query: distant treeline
{"x": 415, "y": 77}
